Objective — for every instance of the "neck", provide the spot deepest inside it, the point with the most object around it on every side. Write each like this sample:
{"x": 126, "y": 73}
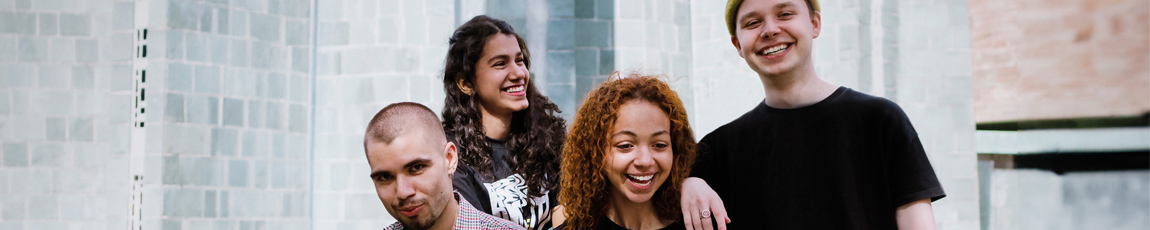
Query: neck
{"x": 632, "y": 215}
{"x": 496, "y": 125}
{"x": 798, "y": 88}
{"x": 446, "y": 219}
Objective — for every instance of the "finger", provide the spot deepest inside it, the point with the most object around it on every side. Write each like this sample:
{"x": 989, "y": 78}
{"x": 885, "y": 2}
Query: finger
{"x": 697, "y": 219}
{"x": 706, "y": 219}
{"x": 687, "y": 221}
{"x": 720, "y": 213}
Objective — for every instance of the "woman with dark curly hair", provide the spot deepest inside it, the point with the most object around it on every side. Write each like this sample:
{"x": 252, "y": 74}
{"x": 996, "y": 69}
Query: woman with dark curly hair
{"x": 629, "y": 149}
{"x": 508, "y": 134}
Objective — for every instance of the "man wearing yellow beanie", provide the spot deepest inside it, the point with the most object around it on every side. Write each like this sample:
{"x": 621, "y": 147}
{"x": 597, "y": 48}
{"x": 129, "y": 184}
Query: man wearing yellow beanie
{"x": 812, "y": 155}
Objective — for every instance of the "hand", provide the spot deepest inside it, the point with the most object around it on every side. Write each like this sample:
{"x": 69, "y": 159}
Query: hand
{"x": 701, "y": 205}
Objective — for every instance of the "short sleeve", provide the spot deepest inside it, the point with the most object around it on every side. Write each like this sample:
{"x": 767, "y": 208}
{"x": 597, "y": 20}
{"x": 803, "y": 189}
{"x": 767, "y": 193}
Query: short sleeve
{"x": 910, "y": 174}
{"x": 470, "y": 188}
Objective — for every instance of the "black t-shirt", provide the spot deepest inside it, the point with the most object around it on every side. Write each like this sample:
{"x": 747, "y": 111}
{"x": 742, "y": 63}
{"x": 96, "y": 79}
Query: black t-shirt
{"x": 846, "y": 162}
{"x": 606, "y": 224}
{"x": 506, "y": 196}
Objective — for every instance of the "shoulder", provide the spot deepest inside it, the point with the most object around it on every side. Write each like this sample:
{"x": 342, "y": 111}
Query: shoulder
{"x": 736, "y": 126}
{"x": 867, "y": 104}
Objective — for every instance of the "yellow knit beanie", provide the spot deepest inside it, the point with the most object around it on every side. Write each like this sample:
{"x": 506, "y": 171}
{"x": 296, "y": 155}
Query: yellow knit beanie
{"x": 733, "y": 8}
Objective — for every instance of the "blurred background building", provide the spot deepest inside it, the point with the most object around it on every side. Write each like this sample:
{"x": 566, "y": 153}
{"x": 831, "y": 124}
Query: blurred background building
{"x": 249, "y": 114}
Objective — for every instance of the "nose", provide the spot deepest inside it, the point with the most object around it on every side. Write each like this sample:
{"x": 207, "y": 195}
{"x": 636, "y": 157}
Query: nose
{"x": 644, "y": 159}
{"x": 519, "y": 72}
{"x": 770, "y": 29}
{"x": 403, "y": 189}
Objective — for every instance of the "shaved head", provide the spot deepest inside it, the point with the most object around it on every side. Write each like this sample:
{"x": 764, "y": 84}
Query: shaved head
{"x": 404, "y": 118}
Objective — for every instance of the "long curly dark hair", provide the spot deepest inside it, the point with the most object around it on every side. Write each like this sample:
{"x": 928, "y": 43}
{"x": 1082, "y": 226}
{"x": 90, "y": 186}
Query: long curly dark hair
{"x": 585, "y": 189}
{"x": 536, "y": 133}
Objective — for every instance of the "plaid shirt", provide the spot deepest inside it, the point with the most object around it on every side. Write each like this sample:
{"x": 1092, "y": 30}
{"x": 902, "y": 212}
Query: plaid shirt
{"x": 471, "y": 218}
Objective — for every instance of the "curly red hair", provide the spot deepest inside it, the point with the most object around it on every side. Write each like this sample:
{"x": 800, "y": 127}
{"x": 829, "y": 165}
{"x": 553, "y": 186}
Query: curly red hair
{"x": 584, "y": 187}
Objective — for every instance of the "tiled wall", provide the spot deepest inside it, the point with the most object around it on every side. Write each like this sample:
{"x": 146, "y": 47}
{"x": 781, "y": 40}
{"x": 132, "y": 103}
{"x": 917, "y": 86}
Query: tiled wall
{"x": 232, "y": 83}
{"x": 65, "y": 105}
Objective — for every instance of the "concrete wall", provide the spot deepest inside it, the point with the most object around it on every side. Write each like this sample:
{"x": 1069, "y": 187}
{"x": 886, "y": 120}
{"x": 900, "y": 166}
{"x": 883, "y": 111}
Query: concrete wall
{"x": 1038, "y": 60}
{"x": 1037, "y": 199}
{"x": 65, "y": 105}
{"x": 232, "y": 83}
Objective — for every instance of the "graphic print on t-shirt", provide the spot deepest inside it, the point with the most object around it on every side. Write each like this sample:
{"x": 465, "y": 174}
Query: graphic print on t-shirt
{"x": 509, "y": 200}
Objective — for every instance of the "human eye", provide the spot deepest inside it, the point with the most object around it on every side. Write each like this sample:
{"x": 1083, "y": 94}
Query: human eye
{"x": 416, "y": 169}
{"x": 625, "y": 147}
{"x": 786, "y": 15}
{"x": 661, "y": 146}
{"x": 500, "y": 63}
{"x": 751, "y": 24}
{"x": 384, "y": 178}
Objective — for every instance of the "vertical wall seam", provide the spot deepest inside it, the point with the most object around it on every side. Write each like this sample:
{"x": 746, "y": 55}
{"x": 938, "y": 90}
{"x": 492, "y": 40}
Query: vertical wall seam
{"x": 311, "y": 119}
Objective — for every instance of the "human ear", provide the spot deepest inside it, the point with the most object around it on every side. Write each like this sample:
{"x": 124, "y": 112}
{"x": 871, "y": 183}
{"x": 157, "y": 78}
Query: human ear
{"x": 452, "y": 157}
{"x": 464, "y": 86}
{"x": 817, "y": 21}
{"x": 738, "y": 48}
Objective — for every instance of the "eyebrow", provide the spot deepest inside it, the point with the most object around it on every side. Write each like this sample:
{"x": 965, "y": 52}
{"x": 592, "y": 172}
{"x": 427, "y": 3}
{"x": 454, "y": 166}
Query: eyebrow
{"x": 629, "y": 133}
{"x": 408, "y": 165}
{"x": 777, "y": 6}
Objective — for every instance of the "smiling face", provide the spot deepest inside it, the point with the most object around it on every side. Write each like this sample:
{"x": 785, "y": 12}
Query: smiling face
{"x": 412, "y": 177}
{"x": 775, "y": 36}
{"x": 639, "y": 157}
{"x": 501, "y": 76}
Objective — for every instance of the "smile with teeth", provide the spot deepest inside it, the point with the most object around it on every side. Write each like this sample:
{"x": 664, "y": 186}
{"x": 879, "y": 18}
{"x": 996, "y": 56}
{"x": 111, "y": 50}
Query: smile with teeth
{"x": 640, "y": 180}
{"x": 515, "y": 89}
{"x": 776, "y": 49}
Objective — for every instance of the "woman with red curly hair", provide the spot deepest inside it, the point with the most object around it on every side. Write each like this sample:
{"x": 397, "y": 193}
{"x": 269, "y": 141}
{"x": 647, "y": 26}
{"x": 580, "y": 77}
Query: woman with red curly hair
{"x": 628, "y": 150}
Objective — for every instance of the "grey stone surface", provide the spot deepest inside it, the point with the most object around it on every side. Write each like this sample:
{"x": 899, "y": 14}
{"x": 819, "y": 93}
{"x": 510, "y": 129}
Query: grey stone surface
{"x": 237, "y": 173}
{"x": 203, "y": 110}
{"x": 15, "y": 155}
{"x": 297, "y": 33}
{"x": 124, "y": 15}
{"x": 55, "y": 128}
{"x": 7, "y": 48}
{"x": 233, "y": 112}
{"x": 48, "y": 155}
{"x": 225, "y": 142}
{"x": 18, "y": 22}
{"x": 80, "y": 130}
{"x": 62, "y": 50}
{"x": 560, "y": 34}
{"x": 196, "y": 46}
{"x": 180, "y": 77}
{"x": 265, "y": 27}
{"x": 335, "y": 33}
{"x": 75, "y": 24}
{"x": 174, "y": 108}
{"x": 32, "y": 49}
{"x": 54, "y": 76}
{"x": 207, "y": 79}
{"x": 49, "y": 24}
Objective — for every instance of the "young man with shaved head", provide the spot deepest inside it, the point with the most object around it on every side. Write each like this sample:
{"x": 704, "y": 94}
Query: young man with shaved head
{"x": 411, "y": 165}
{"x": 811, "y": 155}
